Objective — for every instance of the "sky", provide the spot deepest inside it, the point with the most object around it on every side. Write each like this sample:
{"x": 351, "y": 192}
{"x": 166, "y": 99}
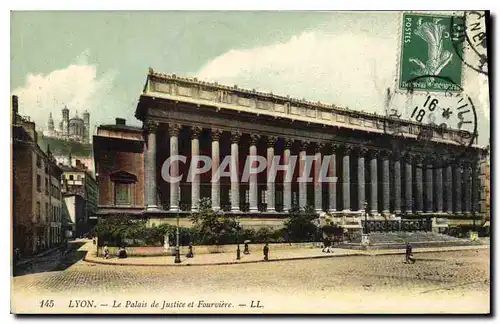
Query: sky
{"x": 98, "y": 61}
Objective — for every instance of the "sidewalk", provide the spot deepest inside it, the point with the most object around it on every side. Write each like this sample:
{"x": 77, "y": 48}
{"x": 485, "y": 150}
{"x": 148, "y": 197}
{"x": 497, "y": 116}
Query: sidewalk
{"x": 257, "y": 256}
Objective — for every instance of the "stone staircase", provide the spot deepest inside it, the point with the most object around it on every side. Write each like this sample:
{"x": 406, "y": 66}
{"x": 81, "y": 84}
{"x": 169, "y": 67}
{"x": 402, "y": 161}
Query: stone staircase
{"x": 384, "y": 240}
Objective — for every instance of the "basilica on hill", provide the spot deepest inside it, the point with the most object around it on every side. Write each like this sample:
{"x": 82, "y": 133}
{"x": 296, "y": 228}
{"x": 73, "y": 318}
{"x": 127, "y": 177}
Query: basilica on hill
{"x": 74, "y": 129}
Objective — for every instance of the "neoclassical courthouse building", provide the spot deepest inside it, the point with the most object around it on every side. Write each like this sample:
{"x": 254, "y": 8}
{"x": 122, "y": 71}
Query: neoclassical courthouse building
{"x": 394, "y": 175}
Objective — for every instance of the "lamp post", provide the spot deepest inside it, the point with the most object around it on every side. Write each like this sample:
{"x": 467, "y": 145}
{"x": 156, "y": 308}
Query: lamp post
{"x": 177, "y": 248}
{"x": 238, "y": 251}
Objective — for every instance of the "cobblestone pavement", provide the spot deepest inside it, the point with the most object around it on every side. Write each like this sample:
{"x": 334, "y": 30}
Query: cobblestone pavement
{"x": 381, "y": 281}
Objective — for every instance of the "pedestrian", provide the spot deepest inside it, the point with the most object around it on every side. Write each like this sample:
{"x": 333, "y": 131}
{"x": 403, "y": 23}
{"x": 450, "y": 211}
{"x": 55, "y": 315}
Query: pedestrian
{"x": 409, "y": 253}
{"x": 106, "y": 252}
{"x": 190, "y": 253}
{"x": 122, "y": 253}
{"x": 326, "y": 245}
{"x": 246, "y": 250}
{"x": 287, "y": 238}
{"x": 266, "y": 252}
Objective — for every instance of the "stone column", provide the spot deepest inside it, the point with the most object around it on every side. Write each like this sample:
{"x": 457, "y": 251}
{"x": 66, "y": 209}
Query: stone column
{"x": 318, "y": 201}
{"x": 173, "y": 130}
{"x": 150, "y": 167}
{"x": 475, "y": 187}
{"x": 270, "y": 192}
{"x": 346, "y": 181}
{"x": 195, "y": 184}
{"x": 386, "y": 182}
{"x": 235, "y": 186}
{"x": 429, "y": 204}
{"x": 332, "y": 186}
{"x": 449, "y": 189}
{"x": 467, "y": 187}
{"x": 374, "y": 183}
{"x": 287, "y": 186}
{"x": 397, "y": 182}
{"x": 458, "y": 188}
{"x": 252, "y": 186}
{"x": 439, "y": 189}
{"x": 419, "y": 199}
{"x": 362, "y": 151}
{"x": 302, "y": 166}
{"x": 408, "y": 183}
{"x": 216, "y": 134}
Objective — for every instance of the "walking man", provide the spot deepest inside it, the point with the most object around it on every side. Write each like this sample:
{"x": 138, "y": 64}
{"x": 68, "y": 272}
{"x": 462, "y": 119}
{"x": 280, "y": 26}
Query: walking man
{"x": 409, "y": 253}
{"x": 266, "y": 252}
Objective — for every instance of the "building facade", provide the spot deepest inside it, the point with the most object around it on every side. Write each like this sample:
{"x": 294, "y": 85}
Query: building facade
{"x": 119, "y": 163}
{"x": 70, "y": 129}
{"x": 394, "y": 176}
{"x": 485, "y": 185}
{"x": 78, "y": 181}
{"x": 37, "y": 199}
{"x": 76, "y": 212}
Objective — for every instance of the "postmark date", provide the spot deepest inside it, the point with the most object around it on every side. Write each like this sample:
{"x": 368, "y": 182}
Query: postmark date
{"x": 429, "y": 103}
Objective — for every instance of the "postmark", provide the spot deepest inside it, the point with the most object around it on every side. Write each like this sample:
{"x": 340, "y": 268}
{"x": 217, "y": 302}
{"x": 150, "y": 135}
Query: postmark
{"x": 427, "y": 50}
{"x": 437, "y": 115}
{"x": 469, "y": 39}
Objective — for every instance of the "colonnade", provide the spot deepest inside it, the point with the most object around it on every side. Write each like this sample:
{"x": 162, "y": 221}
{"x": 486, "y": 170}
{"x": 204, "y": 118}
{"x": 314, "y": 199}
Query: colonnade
{"x": 449, "y": 188}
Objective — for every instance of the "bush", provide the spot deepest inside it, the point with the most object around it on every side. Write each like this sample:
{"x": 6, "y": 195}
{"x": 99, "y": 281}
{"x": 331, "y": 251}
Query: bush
{"x": 299, "y": 226}
{"x": 213, "y": 227}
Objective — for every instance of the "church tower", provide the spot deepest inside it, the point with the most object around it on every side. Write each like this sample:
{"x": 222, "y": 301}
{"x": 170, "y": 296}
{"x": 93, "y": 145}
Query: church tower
{"x": 51, "y": 123}
{"x": 86, "y": 127}
{"x": 65, "y": 122}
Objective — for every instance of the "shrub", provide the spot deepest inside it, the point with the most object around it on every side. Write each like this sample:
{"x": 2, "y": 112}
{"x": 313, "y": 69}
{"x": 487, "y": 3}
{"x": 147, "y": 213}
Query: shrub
{"x": 299, "y": 226}
{"x": 213, "y": 227}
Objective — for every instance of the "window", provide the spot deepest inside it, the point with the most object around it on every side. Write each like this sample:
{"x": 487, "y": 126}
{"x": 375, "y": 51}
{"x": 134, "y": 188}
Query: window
{"x": 70, "y": 177}
{"x": 47, "y": 211}
{"x": 123, "y": 184}
{"x": 38, "y": 183}
{"x": 38, "y": 211}
{"x": 46, "y": 186}
{"x": 79, "y": 177}
{"x": 38, "y": 161}
{"x": 122, "y": 193}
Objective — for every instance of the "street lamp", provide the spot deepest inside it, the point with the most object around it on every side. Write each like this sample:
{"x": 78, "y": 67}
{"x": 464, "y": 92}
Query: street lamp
{"x": 177, "y": 249}
{"x": 238, "y": 251}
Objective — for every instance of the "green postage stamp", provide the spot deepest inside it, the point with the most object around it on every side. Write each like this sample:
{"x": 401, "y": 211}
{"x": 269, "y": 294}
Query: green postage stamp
{"x": 427, "y": 49}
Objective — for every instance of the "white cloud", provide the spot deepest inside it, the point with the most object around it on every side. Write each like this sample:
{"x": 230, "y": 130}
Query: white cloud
{"x": 346, "y": 70}
{"x": 77, "y": 86}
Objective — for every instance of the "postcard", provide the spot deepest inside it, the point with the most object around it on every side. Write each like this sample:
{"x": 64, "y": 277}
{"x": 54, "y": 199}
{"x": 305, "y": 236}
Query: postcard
{"x": 250, "y": 162}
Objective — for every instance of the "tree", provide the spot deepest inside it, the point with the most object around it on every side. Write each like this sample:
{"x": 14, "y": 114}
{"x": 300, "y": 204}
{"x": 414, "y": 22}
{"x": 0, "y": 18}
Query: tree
{"x": 213, "y": 227}
{"x": 299, "y": 225}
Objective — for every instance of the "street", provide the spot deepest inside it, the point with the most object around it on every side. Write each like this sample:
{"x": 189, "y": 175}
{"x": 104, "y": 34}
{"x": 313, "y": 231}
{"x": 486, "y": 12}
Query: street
{"x": 438, "y": 282}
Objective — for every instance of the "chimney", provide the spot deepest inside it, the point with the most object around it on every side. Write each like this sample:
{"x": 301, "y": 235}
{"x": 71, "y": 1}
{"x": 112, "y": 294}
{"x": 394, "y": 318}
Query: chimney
{"x": 120, "y": 121}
